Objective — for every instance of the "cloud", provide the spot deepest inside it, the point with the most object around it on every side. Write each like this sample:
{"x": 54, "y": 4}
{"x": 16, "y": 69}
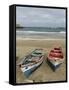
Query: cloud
{"x": 40, "y": 17}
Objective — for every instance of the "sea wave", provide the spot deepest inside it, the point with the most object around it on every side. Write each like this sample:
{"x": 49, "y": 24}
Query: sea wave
{"x": 37, "y": 32}
{"x": 62, "y": 32}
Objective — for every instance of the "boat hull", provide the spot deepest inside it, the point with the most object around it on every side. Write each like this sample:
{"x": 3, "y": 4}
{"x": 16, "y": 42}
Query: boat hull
{"x": 54, "y": 65}
{"x": 32, "y": 68}
{"x": 31, "y": 62}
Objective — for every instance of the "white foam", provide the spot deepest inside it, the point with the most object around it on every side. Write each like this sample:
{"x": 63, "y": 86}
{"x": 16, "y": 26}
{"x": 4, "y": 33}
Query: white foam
{"x": 19, "y": 38}
{"x": 62, "y": 32}
{"x": 34, "y": 32}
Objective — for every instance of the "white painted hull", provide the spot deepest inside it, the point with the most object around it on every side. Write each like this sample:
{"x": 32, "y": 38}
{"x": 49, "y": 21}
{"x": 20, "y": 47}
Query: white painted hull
{"x": 30, "y": 69}
{"x": 31, "y": 61}
{"x": 56, "y": 62}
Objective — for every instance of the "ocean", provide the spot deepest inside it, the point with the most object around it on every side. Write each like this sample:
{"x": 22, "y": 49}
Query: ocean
{"x": 40, "y": 33}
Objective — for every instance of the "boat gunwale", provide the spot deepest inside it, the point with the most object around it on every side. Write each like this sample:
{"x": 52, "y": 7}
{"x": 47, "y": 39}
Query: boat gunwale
{"x": 30, "y": 64}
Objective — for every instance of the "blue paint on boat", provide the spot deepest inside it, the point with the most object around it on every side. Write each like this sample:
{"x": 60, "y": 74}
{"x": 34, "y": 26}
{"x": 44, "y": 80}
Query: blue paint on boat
{"x": 28, "y": 72}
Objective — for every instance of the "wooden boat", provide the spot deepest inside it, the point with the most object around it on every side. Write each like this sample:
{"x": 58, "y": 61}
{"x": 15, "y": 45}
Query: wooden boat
{"x": 55, "y": 58}
{"x": 30, "y": 62}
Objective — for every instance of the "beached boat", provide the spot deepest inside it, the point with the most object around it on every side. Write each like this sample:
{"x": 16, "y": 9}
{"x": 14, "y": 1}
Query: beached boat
{"x": 55, "y": 58}
{"x": 30, "y": 62}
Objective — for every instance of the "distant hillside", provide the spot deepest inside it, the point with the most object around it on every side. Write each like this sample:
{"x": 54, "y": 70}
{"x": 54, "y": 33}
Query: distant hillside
{"x": 19, "y": 26}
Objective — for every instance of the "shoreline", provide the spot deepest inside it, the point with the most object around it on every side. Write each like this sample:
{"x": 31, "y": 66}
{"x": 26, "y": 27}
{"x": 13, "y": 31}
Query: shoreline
{"x": 38, "y": 39}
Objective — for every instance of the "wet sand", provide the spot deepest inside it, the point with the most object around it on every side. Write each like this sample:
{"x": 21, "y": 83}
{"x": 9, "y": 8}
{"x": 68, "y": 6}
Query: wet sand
{"x": 44, "y": 73}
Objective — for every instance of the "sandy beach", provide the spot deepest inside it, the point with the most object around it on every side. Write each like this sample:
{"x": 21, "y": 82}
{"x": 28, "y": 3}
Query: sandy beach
{"x": 44, "y": 73}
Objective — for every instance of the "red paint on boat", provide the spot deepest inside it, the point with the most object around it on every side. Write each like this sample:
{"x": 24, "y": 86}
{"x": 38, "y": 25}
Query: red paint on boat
{"x": 56, "y": 53}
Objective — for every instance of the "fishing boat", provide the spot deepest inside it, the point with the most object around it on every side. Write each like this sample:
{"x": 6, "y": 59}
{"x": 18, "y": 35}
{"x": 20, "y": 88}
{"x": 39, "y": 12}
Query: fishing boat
{"x": 55, "y": 58}
{"x": 31, "y": 61}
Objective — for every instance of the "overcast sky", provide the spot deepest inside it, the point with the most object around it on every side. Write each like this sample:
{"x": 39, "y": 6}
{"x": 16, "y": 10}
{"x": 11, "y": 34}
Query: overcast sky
{"x": 40, "y": 17}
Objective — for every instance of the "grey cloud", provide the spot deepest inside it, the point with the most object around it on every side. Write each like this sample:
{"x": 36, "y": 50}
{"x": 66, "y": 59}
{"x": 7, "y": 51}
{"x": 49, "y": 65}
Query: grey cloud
{"x": 40, "y": 17}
